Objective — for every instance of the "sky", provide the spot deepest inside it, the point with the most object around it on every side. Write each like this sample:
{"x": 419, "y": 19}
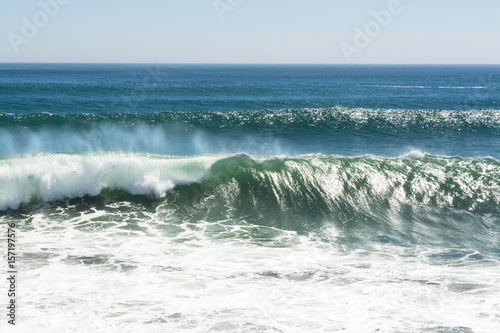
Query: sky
{"x": 251, "y": 31}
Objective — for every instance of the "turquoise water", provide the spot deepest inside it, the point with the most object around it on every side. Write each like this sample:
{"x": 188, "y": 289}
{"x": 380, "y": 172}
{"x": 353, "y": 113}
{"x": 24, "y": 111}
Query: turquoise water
{"x": 279, "y": 198}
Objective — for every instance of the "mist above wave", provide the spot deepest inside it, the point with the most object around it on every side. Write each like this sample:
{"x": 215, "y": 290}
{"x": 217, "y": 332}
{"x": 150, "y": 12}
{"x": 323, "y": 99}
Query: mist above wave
{"x": 300, "y": 131}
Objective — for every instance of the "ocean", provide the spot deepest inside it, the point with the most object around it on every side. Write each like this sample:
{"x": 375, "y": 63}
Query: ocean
{"x": 251, "y": 198}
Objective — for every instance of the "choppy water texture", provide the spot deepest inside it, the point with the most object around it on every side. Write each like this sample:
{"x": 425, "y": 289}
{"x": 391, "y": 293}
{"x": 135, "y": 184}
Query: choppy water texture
{"x": 199, "y": 198}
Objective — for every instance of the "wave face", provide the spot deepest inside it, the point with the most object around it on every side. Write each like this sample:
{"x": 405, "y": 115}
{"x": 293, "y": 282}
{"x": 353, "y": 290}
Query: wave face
{"x": 409, "y": 198}
{"x": 346, "y": 131}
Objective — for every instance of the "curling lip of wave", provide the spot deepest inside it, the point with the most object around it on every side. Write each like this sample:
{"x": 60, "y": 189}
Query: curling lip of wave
{"x": 49, "y": 177}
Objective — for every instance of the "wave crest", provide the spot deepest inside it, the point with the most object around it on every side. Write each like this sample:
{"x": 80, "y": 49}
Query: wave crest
{"x": 316, "y": 184}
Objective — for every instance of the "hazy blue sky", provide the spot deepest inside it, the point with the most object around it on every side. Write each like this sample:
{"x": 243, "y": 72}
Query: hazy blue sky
{"x": 250, "y": 31}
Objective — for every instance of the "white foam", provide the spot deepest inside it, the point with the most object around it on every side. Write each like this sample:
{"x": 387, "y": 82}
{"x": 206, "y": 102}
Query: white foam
{"x": 425, "y": 87}
{"x": 193, "y": 283}
{"x": 49, "y": 177}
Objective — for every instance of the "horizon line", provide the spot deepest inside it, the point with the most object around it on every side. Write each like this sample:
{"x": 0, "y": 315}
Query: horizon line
{"x": 248, "y": 63}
